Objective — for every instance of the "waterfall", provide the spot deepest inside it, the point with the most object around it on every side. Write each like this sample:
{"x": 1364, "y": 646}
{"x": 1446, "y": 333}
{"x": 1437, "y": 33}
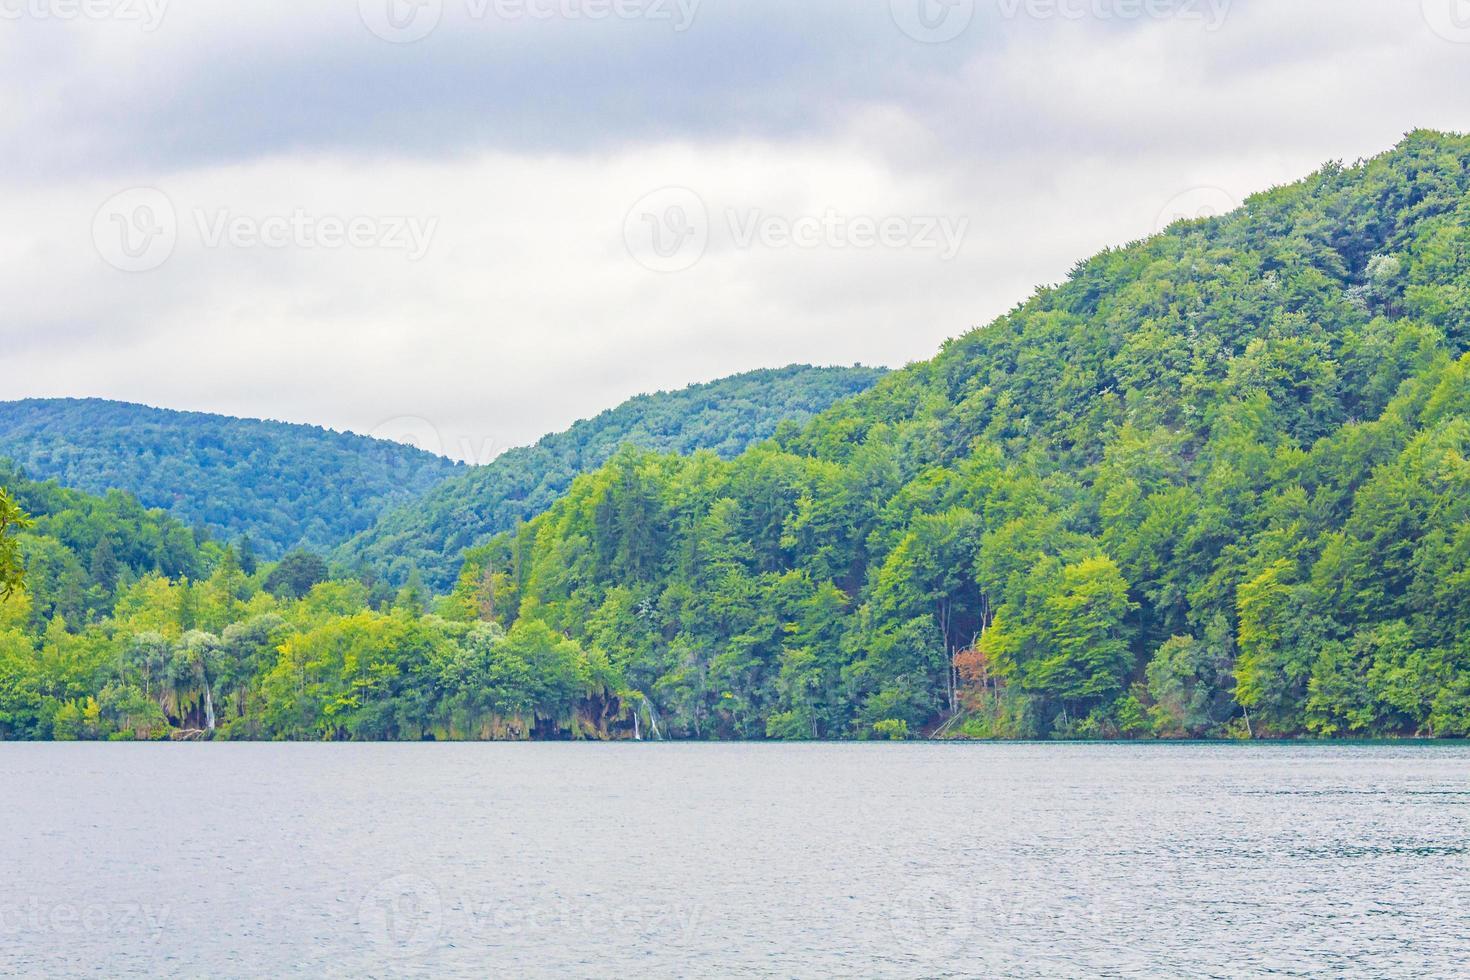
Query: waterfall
{"x": 652, "y": 718}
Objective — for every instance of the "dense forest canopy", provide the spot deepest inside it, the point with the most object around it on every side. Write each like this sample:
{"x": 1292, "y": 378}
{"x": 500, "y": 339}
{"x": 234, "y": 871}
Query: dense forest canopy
{"x": 303, "y": 487}
{"x": 724, "y": 417}
{"x": 1213, "y": 485}
{"x": 285, "y": 485}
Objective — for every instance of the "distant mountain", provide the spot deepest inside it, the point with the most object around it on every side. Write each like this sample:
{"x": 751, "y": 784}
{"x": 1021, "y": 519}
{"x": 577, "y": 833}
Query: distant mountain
{"x": 724, "y": 416}
{"x": 302, "y": 486}
{"x": 286, "y": 485}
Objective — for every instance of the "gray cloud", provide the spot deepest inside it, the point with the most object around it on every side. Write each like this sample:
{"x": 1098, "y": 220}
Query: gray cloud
{"x": 527, "y": 143}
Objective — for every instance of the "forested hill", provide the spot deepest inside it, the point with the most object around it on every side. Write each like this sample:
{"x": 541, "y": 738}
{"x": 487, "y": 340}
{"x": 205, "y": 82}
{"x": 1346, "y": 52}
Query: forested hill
{"x": 1214, "y": 484}
{"x": 724, "y": 416}
{"x": 285, "y": 485}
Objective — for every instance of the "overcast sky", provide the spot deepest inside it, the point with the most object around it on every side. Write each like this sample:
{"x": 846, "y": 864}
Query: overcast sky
{"x": 471, "y": 222}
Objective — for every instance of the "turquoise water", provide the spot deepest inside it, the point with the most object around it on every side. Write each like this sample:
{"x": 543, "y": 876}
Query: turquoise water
{"x": 909, "y": 860}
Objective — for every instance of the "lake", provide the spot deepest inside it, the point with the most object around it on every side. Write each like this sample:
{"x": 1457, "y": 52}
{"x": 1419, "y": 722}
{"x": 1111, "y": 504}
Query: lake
{"x": 902, "y": 860}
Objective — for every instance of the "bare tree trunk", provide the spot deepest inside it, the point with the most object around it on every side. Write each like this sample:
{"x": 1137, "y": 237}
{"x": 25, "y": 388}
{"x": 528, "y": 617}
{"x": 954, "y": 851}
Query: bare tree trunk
{"x": 949, "y": 674}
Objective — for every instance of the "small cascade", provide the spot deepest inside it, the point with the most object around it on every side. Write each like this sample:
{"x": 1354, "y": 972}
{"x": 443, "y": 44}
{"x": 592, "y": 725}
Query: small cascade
{"x": 652, "y": 719}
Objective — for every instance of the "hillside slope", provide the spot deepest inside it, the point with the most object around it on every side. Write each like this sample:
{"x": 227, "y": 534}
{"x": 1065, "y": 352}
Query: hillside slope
{"x": 724, "y": 416}
{"x": 286, "y": 485}
{"x": 1214, "y": 484}
{"x": 71, "y": 572}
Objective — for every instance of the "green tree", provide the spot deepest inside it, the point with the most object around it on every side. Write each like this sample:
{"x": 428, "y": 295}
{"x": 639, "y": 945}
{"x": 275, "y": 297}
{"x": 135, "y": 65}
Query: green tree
{"x": 12, "y": 518}
{"x": 1188, "y": 683}
{"x": 295, "y": 574}
{"x": 246, "y": 551}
